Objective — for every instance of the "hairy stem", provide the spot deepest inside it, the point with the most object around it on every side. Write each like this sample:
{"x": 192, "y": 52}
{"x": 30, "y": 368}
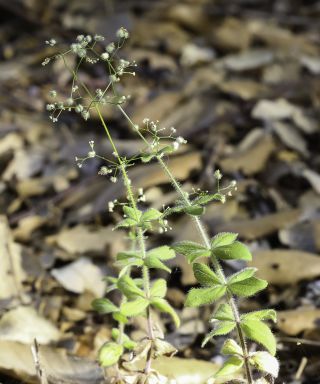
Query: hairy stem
{"x": 206, "y": 241}
{"x": 140, "y": 234}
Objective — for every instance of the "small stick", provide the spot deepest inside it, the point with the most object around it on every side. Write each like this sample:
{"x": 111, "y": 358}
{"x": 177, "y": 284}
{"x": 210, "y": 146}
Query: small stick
{"x": 301, "y": 368}
{"x": 36, "y": 358}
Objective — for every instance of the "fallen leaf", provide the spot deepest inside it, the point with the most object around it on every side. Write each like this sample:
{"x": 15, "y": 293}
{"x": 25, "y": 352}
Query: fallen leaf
{"x": 292, "y": 322}
{"x": 252, "y": 160}
{"x": 82, "y": 238}
{"x": 23, "y": 324}
{"x": 248, "y": 60}
{"x": 27, "y": 226}
{"x": 256, "y": 228}
{"x": 193, "y": 55}
{"x": 11, "y": 272}
{"x": 80, "y": 276}
{"x": 286, "y": 266}
{"x": 311, "y": 63}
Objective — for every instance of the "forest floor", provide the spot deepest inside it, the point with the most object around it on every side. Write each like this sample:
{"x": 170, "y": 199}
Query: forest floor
{"x": 240, "y": 81}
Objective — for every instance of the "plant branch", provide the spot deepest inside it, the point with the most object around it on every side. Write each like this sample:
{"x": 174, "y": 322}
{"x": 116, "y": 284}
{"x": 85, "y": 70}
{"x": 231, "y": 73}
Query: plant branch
{"x": 140, "y": 234}
{"x": 206, "y": 241}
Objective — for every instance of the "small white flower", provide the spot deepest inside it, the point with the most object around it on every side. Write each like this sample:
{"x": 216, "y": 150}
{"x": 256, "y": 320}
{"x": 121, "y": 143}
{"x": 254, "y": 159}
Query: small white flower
{"x": 113, "y": 179}
{"x": 79, "y": 108}
{"x": 85, "y": 114}
{"x": 140, "y": 191}
{"x": 91, "y": 154}
{"x": 233, "y": 183}
{"x": 122, "y": 33}
{"x": 50, "y": 107}
{"x": 218, "y": 174}
{"x": 110, "y": 47}
{"x": 181, "y": 140}
{"x": 45, "y": 61}
{"x": 98, "y": 38}
{"x": 105, "y": 56}
{"x": 175, "y": 145}
{"x": 110, "y": 206}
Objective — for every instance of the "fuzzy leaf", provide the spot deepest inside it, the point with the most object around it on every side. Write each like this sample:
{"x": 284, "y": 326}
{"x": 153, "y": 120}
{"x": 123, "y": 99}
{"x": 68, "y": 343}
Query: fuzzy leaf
{"x": 119, "y": 317}
{"x": 132, "y": 213}
{"x": 264, "y": 314}
{"x": 224, "y": 312}
{"x": 257, "y": 331}
{"x": 204, "y": 275}
{"x": 150, "y": 215}
{"x": 231, "y": 347}
{"x": 104, "y": 306}
{"x": 248, "y": 287}
{"x": 146, "y": 157}
{"x": 134, "y": 308}
{"x": 222, "y": 328}
{"x": 194, "y": 210}
{"x": 126, "y": 223}
{"x": 232, "y": 365}
{"x": 191, "y": 250}
{"x": 163, "y": 348}
{"x": 264, "y": 362}
{"x": 129, "y": 288}
{"x": 244, "y": 274}
{"x": 205, "y": 199}
{"x": 202, "y": 296}
{"x": 163, "y": 306}
{"x": 163, "y": 253}
{"x": 109, "y": 354}
{"x": 126, "y": 341}
{"x": 223, "y": 238}
{"x": 232, "y": 251}
{"x": 154, "y": 262}
{"x": 128, "y": 255}
{"x": 158, "y": 289}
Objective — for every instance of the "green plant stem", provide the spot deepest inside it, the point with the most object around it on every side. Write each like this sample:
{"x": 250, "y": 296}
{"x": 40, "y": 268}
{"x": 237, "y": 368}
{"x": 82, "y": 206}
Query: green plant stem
{"x": 140, "y": 235}
{"x": 206, "y": 241}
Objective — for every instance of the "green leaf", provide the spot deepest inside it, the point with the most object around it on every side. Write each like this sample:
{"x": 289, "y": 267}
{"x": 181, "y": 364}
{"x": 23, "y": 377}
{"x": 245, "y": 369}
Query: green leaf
{"x": 204, "y": 275}
{"x": 163, "y": 306}
{"x": 224, "y": 312}
{"x": 191, "y": 250}
{"x": 128, "y": 255}
{"x": 232, "y": 365}
{"x": 146, "y": 157}
{"x": 257, "y": 331}
{"x": 104, "y": 306}
{"x": 150, "y": 215}
{"x": 230, "y": 347}
{"x": 126, "y": 223}
{"x": 134, "y": 308}
{"x": 205, "y": 199}
{"x": 126, "y": 341}
{"x": 132, "y": 213}
{"x": 154, "y": 262}
{"x": 167, "y": 149}
{"x": 163, "y": 253}
{"x": 248, "y": 287}
{"x": 223, "y": 238}
{"x": 244, "y": 274}
{"x": 158, "y": 289}
{"x": 119, "y": 317}
{"x": 222, "y": 328}
{"x": 109, "y": 354}
{"x": 264, "y": 362}
{"x": 202, "y": 296}
{"x": 194, "y": 210}
{"x": 232, "y": 251}
{"x": 264, "y": 314}
{"x": 129, "y": 288}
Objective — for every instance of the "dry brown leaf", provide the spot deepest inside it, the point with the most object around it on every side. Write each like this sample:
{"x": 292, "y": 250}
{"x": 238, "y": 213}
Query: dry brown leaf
{"x": 11, "y": 272}
{"x": 232, "y": 34}
{"x": 246, "y": 89}
{"x": 82, "y": 238}
{"x": 301, "y": 319}
{"x": 24, "y": 324}
{"x": 79, "y": 276}
{"x": 11, "y": 141}
{"x": 27, "y": 226}
{"x": 286, "y": 266}
{"x": 157, "y": 108}
{"x": 252, "y": 160}
{"x": 248, "y": 60}
{"x": 252, "y": 229}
